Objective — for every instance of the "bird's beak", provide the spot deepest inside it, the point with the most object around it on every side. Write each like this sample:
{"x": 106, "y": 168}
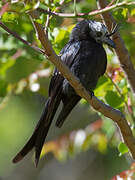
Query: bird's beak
{"x": 109, "y": 42}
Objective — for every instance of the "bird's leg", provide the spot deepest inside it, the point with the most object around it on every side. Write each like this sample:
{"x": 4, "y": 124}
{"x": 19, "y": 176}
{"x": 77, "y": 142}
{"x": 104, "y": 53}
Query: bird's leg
{"x": 91, "y": 93}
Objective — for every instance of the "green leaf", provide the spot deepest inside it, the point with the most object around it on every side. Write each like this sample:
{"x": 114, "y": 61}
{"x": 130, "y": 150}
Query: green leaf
{"x": 39, "y": 21}
{"x": 124, "y": 12}
{"x": 108, "y": 126}
{"x": 8, "y": 17}
{"x": 4, "y": 66}
{"x": 123, "y": 149}
{"x": 101, "y": 81}
{"x": 133, "y": 12}
{"x": 61, "y": 37}
{"x": 113, "y": 99}
{"x": 104, "y": 85}
{"x": 34, "y": 4}
{"x": 3, "y": 88}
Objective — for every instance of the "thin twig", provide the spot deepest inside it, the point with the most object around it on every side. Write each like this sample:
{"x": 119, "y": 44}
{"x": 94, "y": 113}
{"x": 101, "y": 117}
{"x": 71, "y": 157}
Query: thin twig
{"x": 115, "y": 85}
{"x": 19, "y": 38}
{"x": 5, "y": 100}
{"x": 118, "y": 90}
{"x": 75, "y": 11}
{"x": 47, "y": 23}
{"x": 61, "y": 3}
{"x": 111, "y": 3}
{"x": 121, "y": 50}
{"x": 86, "y": 15}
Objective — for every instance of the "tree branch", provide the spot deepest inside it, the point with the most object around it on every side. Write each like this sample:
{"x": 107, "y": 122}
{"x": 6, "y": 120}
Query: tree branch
{"x": 121, "y": 50}
{"x": 120, "y": 94}
{"x": 19, "y": 38}
{"x": 86, "y": 15}
{"x": 98, "y": 105}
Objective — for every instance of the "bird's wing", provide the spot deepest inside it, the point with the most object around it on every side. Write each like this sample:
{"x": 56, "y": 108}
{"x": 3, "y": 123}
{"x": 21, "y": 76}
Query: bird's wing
{"x": 67, "y": 54}
{"x": 68, "y": 104}
{"x": 102, "y": 63}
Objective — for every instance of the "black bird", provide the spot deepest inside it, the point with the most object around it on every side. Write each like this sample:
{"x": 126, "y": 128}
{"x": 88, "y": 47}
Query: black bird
{"x": 86, "y": 58}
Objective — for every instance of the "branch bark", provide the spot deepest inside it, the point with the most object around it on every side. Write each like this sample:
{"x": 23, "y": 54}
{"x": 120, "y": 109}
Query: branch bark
{"x": 87, "y": 15}
{"x": 19, "y": 38}
{"x": 98, "y": 105}
{"x": 121, "y": 50}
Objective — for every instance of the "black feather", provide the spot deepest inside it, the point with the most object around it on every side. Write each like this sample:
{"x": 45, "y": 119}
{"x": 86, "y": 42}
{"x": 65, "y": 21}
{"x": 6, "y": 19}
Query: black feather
{"x": 87, "y": 60}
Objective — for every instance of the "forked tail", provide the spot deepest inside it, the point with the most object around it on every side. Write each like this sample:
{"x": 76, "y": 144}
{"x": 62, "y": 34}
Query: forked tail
{"x": 38, "y": 137}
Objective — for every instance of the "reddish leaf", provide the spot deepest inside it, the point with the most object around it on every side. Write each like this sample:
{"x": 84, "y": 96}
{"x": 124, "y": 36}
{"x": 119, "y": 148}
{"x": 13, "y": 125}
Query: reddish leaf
{"x": 130, "y": 174}
{"x": 4, "y": 9}
{"x": 95, "y": 125}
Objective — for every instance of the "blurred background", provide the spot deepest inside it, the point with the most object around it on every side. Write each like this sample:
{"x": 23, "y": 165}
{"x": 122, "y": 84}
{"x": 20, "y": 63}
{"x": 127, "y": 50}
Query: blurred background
{"x": 86, "y": 147}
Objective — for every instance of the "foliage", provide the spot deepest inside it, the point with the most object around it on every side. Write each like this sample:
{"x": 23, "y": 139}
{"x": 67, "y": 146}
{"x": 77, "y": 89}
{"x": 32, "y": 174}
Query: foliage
{"x": 78, "y": 141}
{"x": 129, "y": 174}
{"x": 23, "y": 69}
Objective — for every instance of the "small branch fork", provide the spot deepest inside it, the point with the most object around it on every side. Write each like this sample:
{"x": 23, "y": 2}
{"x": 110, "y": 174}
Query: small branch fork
{"x": 20, "y": 39}
{"x": 86, "y": 15}
{"x": 98, "y": 105}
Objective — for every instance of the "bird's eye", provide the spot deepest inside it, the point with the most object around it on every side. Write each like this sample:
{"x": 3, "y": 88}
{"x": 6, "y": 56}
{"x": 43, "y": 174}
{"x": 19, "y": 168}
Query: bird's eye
{"x": 99, "y": 34}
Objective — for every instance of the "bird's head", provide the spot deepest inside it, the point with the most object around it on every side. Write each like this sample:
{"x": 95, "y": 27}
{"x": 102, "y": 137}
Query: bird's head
{"x": 93, "y": 29}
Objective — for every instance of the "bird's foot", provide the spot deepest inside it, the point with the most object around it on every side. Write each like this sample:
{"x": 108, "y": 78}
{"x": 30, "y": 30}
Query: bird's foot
{"x": 91, "y": 94}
